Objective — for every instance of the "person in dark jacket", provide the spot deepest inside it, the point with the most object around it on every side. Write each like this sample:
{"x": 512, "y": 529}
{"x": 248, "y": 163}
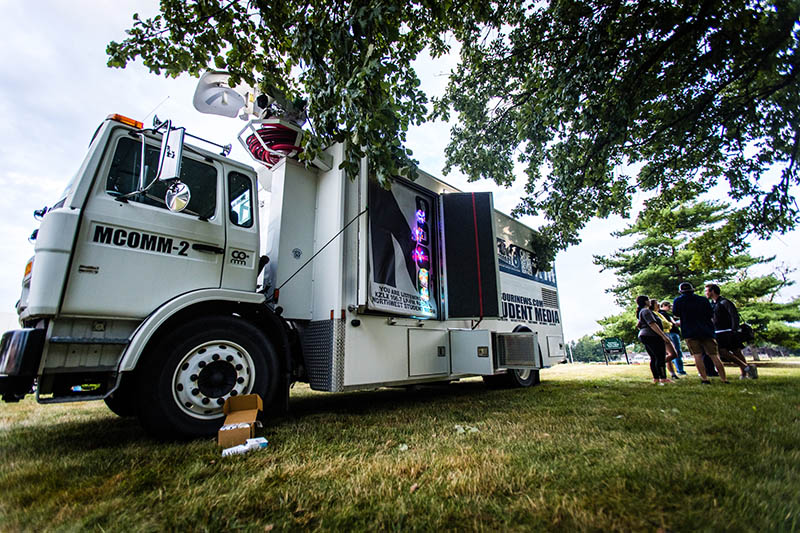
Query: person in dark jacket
{"x": 695, "y": 314}
{"x": 654, "y": 339}
{"x": 726, "y": 328}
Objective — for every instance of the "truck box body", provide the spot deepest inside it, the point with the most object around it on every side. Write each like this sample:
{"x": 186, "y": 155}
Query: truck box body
{"x": 363, "y": 322}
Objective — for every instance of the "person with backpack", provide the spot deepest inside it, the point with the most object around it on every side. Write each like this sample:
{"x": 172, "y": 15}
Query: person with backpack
{"x": 726, "y": 327}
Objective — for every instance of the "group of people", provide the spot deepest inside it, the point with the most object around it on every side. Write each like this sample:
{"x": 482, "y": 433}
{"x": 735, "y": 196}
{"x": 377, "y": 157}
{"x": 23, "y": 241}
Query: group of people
{"x": 710, "y": 326}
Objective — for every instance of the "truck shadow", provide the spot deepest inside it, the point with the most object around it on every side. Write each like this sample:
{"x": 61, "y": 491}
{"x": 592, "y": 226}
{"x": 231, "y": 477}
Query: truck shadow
{"x": 79, "y": 436}
{"x": 386, "y": 399}
{"x": 109, "y": 432}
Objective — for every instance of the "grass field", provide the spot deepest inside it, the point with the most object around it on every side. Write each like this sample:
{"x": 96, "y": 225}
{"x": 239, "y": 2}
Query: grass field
{"x": 591, "y": 448}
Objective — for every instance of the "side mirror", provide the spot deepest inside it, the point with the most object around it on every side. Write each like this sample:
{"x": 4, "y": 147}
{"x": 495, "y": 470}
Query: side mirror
{"x": 177, "y": 197}
{"x": 169, "y": 160}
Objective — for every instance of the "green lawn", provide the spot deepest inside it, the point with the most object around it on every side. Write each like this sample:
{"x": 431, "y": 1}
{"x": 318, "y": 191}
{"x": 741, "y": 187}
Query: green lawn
{"x": 592, "y": 448}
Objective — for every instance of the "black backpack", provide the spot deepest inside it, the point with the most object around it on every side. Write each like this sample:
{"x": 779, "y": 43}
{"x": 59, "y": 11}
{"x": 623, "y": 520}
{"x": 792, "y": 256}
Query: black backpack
{"x": 746, "y": 333}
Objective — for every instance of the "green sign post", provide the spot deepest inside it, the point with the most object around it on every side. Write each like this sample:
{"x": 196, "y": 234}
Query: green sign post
{"x": 614, "y": 346}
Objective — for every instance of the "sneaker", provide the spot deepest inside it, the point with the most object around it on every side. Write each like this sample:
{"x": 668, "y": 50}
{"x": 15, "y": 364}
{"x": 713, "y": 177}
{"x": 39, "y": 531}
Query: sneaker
{"x": 675, "y": 376}
{"x": 753, "y": 371}
{"x": 705, "y": 382}
{"x": 744, "y": 376}
{"x": 682, "y": 373}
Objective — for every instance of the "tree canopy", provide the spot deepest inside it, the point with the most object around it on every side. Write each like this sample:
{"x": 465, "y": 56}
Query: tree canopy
{"x": 596, "y": 99}
{"x": 350, "y": 60}
{"x": 670, "y": 249}
{"x": 688, "y": 93}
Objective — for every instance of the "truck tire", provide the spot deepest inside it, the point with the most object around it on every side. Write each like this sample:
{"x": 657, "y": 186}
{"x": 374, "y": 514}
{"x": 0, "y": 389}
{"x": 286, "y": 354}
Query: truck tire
{"x": 188, "y": 375}
{"x": 523, "y": 378}
{"x": 513, "y": 379}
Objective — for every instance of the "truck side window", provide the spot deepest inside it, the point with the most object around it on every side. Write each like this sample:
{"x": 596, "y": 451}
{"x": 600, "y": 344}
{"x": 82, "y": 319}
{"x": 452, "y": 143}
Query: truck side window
{"x": 240, "y": 197}
{"x": 123, "y": 178}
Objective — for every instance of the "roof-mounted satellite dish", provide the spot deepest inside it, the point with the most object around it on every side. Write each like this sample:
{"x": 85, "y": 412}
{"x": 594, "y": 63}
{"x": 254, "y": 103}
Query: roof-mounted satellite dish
{"x": 216, "y": 97}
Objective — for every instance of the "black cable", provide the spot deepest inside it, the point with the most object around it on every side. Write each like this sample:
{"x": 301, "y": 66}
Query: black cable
{"x": 320, "y": 250}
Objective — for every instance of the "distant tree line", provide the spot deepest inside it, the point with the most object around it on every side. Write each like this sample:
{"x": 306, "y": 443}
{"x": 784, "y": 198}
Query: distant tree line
{"x": 587, "y": 349}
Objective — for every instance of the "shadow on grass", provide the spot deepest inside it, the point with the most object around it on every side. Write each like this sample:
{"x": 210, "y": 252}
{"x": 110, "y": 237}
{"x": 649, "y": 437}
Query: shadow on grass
{"x": 67, "y": 437}
{"x": 389, "y": 399}
{"x": 110, "y": 432}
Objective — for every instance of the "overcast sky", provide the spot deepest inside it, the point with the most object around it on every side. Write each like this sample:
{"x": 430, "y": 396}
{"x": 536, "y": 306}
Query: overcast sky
{"x": 55, "y": 89}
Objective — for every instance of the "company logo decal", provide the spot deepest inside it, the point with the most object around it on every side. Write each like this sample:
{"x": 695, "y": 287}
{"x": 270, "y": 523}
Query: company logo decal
{"x": 238, "y": 257}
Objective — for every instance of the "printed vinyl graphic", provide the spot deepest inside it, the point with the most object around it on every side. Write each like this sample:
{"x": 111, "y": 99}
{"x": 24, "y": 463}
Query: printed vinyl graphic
{"x": 519, "y": 262}
{"x": 526, "y": 303}
{"x": 400, "y": 259}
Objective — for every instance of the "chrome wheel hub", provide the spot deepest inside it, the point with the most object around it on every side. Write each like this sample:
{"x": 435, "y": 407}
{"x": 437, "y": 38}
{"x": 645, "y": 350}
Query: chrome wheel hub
{"x": 210, "y": 374}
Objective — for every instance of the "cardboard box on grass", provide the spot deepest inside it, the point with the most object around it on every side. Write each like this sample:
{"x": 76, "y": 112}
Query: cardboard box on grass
{"x": 240, "y": 420}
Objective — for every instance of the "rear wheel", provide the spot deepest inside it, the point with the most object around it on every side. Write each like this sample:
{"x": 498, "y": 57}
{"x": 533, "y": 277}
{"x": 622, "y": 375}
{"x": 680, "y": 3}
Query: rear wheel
{"x": 523, "y": 378}
{"x": 513, "y": 378}
{"x": 190, "y": 373}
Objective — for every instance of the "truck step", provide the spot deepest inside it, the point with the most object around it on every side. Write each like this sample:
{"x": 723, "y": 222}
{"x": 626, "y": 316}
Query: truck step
{"x": 87, "y": 340}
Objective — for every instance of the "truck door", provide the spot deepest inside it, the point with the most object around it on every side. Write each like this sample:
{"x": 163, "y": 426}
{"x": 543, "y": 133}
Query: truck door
{"x": 241, "y": 254}
{"x": 133, "y": 255}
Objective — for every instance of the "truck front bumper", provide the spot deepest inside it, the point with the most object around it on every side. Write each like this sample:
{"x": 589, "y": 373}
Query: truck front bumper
{"x": 20, "y": 354}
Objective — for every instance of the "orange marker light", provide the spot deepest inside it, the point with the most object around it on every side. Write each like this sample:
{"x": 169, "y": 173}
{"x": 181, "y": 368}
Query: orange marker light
{"x": 28, "y": 268}
{"x": 126, "y": 120}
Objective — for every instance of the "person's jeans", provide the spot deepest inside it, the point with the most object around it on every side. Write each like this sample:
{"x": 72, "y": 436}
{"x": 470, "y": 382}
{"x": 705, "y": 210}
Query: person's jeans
{"x": 676, "y": 342}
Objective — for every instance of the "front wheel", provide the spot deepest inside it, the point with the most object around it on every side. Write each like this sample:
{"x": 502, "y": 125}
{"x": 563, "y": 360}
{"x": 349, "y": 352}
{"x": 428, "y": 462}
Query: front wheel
{"x": 190, "y": 373}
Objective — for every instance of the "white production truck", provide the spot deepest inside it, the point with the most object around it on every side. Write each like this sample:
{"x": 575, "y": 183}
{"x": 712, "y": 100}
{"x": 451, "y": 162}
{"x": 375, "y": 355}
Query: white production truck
{"x": 168, "y": 287}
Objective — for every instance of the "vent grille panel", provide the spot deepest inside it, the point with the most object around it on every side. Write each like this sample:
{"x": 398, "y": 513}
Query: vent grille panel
{"x": 517, "y": 350}
{"x": 318, "y": 351}
{"x": 550, "y": 298}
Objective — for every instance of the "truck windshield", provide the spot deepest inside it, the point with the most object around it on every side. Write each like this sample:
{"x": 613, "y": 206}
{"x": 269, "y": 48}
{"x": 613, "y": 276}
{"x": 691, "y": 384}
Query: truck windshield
{"x": 123, "y": 178}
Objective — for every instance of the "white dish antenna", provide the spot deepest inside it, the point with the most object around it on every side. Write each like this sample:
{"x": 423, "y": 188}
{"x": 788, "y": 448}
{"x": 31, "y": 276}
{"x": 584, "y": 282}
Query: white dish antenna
{"x": 215, "y": 96}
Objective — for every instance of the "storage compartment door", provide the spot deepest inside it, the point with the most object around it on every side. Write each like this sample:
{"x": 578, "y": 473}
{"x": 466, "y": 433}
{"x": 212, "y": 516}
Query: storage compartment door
{"x": 517, "y": 350}
{"x": 555, "y": 347}
{"x": 470, "y": 257}
{"x": 469, "y": 352}
{"x": 428, "y": 352}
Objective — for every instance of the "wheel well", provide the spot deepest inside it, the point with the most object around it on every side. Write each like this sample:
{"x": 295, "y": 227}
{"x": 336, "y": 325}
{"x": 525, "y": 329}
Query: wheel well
{"x": 260, "y": 316}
